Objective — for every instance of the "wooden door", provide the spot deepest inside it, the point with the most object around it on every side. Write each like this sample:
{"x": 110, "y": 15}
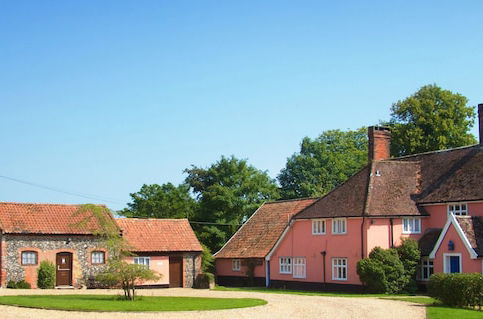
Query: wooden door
{"x": 64, "y": 269}
{"x": 175, "y": 272}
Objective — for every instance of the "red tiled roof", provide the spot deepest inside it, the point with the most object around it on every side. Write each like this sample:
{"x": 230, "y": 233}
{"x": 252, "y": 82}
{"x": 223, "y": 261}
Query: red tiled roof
{"x": 26, "y": 218}
{"x": 259, "y": 234}
{"x": 159, "y": 235}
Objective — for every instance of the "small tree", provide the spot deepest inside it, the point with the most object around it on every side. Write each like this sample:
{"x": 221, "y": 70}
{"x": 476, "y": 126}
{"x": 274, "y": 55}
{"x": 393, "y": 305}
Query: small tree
{"x": 46, "y": 275}
{"x": 409, "y": 254}
{"x": 126, "y": 275}
{"x": 118, "y": 272}
{"x": 207, "y": 260}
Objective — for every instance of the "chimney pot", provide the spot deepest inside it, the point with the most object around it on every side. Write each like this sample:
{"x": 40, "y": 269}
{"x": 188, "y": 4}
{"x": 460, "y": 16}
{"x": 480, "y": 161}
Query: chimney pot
{"x": 480, "y": 121}
{"x": 379, "y": 142}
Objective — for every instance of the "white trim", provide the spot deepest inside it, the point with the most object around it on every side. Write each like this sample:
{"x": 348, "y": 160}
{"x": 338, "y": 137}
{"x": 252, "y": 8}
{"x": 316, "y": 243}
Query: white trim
{"x": 346, "y": 266}
{"x": 279, "y": 240}
{"x": 412, "y": 220}
{"x": 467, "y": 213}
{"x": 456, "y": 225}
{"x": 334, "y": 220}
{"x": 445, "y": 270}
{"x": 246, "y": 222}
{"x": 288, "y": 265}
{"x": 235, "y": 265}
{"x": 445, "y": 203}
{"x": 319, "y": 220}
{"x": 302, "y": 265}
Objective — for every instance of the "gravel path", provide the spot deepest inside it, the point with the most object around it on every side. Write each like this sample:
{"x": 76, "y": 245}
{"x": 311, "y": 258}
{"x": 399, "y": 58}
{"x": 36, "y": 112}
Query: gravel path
{"x": 279, "y": 306}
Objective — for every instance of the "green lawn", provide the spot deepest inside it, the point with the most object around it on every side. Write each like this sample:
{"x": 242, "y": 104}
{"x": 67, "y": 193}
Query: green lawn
{"x": 297, "y": 292}
{"x": 113, "y": 303}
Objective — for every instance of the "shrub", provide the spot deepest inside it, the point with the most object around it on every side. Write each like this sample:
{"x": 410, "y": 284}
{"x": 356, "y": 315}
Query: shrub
{"x": 460, "y": 290}
{"x": 46, "y": 275}
{"x": 21, "y": 284}
{"x": 204, "y": 281}
{"x": 383, "y": 271}
{"x": 207, "y": 260}
{"x": 410, "y": 256}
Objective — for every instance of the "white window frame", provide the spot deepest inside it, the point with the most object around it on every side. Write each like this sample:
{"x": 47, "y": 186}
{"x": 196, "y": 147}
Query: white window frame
{"x": 336, "y": 222}
{"x": 319, "y": 227}
{"x": 29, "y": 257}
{"x": 339, "y": 263}
{"x": 142, "y": 261}
{"x": 457, "y": 209}
{"x": 285, "y": 264}
{"x": 95, "y": 257}
{"x": 427, "y": 264}
{"x": 447, "y": 264}
{"x": 409, "y": 225}
{"x": 236, "y": 264}
{"x": 299, "y": 267}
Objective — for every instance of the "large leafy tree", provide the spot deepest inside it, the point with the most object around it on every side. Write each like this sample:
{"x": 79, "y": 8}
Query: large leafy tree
{"x": 431, "y": 119}
{"x": 161, "y": 201}
{"x": 323, "y": 163}
{"x": 228, "y": 192}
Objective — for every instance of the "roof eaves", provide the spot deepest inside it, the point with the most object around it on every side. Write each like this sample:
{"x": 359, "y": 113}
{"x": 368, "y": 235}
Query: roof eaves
{"x": 239, "y": 229}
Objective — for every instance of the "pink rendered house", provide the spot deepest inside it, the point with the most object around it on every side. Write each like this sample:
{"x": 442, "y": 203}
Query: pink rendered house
{"x": 435, "y": 198}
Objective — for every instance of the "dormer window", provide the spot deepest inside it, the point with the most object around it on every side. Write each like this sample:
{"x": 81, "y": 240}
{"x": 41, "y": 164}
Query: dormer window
{"x": 459, "y": 209}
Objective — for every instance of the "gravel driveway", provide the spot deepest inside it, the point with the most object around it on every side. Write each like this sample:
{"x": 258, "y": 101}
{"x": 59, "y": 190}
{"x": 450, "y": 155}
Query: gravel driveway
{"x": 279, "y": 306}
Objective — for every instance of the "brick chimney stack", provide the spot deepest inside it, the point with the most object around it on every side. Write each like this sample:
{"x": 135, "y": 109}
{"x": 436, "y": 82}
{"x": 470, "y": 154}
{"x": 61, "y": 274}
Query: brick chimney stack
{"x": 379, "y": 142}
{"x": 480, "y": 121}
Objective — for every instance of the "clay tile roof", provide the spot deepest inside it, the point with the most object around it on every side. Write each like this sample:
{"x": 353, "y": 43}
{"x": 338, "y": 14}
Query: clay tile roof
{"x": 472, "y": 226}
{"x": 396, "y": 186}
{"x": 159, "y": 235}
{"x": 450, "y": 175}
{"x": 428, "y": 240}
{"x": 259, "y": 234}
{"x": 346, "y": 200}
{"x": 27, "y": 218}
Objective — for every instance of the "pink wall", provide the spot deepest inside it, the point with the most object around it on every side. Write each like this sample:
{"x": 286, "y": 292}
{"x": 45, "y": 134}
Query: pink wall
{"x": 159, "y": 264}
{"x": 224, "y": 268}
{"x": 299, "y": 242}
{"x": 468, "y": 265}
{"x": 439, "y": 213}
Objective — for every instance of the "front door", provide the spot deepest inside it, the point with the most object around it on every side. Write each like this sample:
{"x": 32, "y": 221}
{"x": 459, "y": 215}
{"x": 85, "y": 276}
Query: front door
{"x": 175, "y": 272}
{"x": 454, "y": 262}
{"x": 64, "y": 269}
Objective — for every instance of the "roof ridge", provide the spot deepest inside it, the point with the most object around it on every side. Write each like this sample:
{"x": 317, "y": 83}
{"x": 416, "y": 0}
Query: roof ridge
{"x": 49, "y": 204}
{"x": 292, "y": 200}
{"x": 368, "y": 189}
{"x": 436, "y": 151}
{"x": 149, "y": 218}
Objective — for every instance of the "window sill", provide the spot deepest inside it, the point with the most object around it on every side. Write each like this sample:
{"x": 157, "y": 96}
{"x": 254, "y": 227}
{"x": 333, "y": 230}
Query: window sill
{"x": 339, "y": 279}
{"x": 339, "y": 233}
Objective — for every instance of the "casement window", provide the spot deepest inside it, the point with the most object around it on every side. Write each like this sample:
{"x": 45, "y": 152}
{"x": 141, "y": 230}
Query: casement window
{"x": 98, "y": 257}
{"x": 412, "y": 225}
{"x": 460, "y": 209}
{"x": 427, "y": 268}
{"x": 318, "y": 227}
{"x": 299, "y": 267}
{"x": 285, "y": 265}
{"x": 236, "y": 264}
{"x": 142, "y": 261}
{"x": 339, "y": 226}
{"x": 29, "y": 258}
{"x": 339, "y": 268}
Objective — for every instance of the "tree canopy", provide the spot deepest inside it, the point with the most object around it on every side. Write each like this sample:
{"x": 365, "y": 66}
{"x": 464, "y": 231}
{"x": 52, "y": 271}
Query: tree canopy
{"x": 431, "y": 119}
{"x": 228, "y": 192}
{"x": 161, "y": 201}
{"x": 323, "y": 163}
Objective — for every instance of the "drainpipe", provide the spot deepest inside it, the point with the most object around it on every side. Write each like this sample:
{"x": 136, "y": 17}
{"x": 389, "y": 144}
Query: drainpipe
{"x": 392, "y": 232}
{"x": 267, "y": 273}
{"x": 362, "y": 238}
{"x": 323, "y": 253}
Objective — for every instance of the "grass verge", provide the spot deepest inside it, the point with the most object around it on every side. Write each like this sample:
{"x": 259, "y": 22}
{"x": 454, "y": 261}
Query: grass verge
{"x": 114, "y": 303}
{"x": 297, "y": 292}
{"x": 436, "y": 310}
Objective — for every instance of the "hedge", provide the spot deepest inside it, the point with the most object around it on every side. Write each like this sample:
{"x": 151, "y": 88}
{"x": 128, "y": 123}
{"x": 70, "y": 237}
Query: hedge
{"x": 460, "y": 290}
{"x": 21, "y": 284}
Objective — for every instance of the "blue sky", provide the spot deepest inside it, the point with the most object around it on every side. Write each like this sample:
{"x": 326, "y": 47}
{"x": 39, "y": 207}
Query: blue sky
{"x": 99, "y": 97}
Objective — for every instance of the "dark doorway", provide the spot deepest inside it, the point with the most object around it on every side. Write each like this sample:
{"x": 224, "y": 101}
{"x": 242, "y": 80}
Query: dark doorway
{"x": 64, "y": 269}
{"x": 175, "y": 272}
